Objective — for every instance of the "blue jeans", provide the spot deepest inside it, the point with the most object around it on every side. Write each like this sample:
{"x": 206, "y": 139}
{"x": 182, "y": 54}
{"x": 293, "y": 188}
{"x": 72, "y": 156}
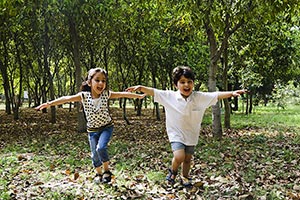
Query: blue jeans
{"x": 98, "y": 144}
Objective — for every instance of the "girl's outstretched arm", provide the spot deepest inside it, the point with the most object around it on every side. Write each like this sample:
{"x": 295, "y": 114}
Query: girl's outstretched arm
{"x": 228, "y": 94}
{"x": 59, "y": 101}
{"x": 115, "y": 95}
{"x": 146, "y": 90}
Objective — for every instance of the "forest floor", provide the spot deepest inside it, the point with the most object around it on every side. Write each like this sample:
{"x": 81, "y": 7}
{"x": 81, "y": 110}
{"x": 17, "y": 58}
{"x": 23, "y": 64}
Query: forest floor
{"x": 41, "y": 160}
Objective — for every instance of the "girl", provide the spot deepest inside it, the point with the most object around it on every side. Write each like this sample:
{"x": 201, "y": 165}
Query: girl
{"x": 184, "y": 112}
{"x": 94, "y": 96}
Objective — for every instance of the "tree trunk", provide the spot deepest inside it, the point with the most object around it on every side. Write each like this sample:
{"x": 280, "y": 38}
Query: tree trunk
{"x": 124, "y": 112}
{"x": 225, "y": 83}
{"x": 235, "y": 99}
{"x": 214, "y": 57}
{"x": 139, "y": 104}
{"x": 250, "y": 103}
{"x": 156, "y": 105}
{"x": 3, "y": 68}
{"x": 47, "y": 68}
{"x": 215, "y": 54}
{"x": 17, "y": 99}
{"x": 247, "y": 105}
{"x": 76, "y": 58}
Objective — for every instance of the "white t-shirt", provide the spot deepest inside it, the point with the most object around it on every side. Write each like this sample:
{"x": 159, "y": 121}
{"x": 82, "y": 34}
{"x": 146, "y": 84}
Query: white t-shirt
{"x": 96, "y": 110}
{"x": 184, "y": 116}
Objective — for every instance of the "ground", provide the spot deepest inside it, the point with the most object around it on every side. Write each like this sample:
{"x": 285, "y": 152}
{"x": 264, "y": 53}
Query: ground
{"x": 41, "y": 160}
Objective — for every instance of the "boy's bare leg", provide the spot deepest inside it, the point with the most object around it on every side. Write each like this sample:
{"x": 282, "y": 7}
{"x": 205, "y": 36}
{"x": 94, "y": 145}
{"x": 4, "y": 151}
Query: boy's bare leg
{"x": 178, "y": 159}
{"x": 186, "y": 165}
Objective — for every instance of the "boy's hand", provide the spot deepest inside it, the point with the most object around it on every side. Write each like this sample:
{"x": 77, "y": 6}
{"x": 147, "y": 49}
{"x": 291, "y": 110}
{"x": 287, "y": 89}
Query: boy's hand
{"x": 140, "y": 88}
{"x": 237, "y": 93}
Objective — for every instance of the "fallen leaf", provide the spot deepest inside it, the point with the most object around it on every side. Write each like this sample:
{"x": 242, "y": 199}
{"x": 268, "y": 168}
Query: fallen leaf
{"x": 296, "y": 187}
{"x": 68, "y": 172}
{"x": 21, "y": 157}
{"x": 38, "y": 183}
{"x": 199, "y": 184}
{"x": 76, "y": 175}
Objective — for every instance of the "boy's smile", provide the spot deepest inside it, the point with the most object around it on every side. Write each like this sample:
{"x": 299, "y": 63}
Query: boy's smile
{"x": 185, "y": 86}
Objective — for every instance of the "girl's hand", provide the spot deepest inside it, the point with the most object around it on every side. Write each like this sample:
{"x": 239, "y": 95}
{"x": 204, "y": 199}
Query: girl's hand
{"x": 134, "y": 88}
{"x": 42, "y": 106}
{"x": 142, "y": 96}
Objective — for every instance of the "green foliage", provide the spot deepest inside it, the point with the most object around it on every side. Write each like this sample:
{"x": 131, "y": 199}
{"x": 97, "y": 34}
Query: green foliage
{"x": 133, "y": 39}
{"x": 284, "y": 95}
{"x": 266, "y": 53}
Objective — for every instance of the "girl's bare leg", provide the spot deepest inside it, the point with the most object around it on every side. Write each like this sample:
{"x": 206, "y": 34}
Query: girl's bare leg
{"x": 106, "y": 166}
{"x": 99, "y": 170}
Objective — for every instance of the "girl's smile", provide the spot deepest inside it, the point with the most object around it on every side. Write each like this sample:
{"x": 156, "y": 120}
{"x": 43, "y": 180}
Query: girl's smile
{"x": 98, "y": 84}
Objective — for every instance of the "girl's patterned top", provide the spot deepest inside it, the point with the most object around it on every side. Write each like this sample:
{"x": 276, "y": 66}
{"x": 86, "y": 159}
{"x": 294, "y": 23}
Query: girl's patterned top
{"x": 96, "y": 110}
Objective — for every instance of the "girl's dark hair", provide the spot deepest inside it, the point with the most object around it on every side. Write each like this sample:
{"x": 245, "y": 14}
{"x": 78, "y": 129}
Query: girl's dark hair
{"x": 91, "y": 73}
{"x": 182, "y": 71}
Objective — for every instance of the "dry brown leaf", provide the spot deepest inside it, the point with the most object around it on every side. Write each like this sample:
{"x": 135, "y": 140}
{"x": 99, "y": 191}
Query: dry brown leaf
{"x": 21, "y": 157}
{"x": 76, "y": 175}
{"x": 293, "y": 196}
{"x": 68, "y": 172}
{"x": 199, "y": 184}
{"x": 38, "y": 183}
{"x": 52, "y": 166}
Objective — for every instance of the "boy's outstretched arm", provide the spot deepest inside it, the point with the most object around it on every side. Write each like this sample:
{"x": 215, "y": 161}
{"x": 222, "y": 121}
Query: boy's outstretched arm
{"x": 147, "y": 90}
{"x": 228, "y": 94}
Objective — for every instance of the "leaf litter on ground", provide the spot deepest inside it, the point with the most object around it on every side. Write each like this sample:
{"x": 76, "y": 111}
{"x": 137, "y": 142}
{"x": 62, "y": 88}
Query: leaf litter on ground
{"x": 43, "y": 160}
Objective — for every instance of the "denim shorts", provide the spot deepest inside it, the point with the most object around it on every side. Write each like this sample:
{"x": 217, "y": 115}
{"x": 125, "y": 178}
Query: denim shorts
{"x": 178, "y": 145}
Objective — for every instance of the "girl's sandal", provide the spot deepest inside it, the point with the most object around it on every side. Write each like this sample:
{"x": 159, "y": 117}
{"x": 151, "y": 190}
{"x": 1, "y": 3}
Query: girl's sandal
{"x": 171, "y": 177}
{"x": 98, "y": 178}
{"x": 106, "y": 177}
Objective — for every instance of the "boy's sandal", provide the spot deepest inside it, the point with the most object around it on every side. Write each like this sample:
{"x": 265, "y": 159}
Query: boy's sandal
{"x": 169, "y": 177}
{"x": 186, "y": 182}
{"x": 106, "y": 177}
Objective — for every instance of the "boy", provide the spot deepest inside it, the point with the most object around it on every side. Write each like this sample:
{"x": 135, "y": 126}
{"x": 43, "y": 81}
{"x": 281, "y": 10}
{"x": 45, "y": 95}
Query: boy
{"x": 184, "y": 112}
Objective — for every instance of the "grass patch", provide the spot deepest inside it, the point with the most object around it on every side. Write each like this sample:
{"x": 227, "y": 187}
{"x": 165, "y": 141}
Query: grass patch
{"x": 269, "y": 117}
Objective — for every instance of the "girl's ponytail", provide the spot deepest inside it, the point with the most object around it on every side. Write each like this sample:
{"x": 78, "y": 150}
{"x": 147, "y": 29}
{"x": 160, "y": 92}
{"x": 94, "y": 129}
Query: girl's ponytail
{"x": 85, "y": 86}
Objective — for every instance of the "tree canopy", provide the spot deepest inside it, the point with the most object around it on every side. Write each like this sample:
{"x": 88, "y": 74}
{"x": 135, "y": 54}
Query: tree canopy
{"x": 47, "y": 46}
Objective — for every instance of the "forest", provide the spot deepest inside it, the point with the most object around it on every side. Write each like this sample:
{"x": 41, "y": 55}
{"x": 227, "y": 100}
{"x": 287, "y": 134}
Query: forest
{"x": 47, "y": 47}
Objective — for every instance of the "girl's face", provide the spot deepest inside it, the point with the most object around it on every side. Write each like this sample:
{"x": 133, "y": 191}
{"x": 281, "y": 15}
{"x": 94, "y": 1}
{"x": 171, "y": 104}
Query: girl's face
{"x": 98, "y": 84}
{"x": 185, "y": 86}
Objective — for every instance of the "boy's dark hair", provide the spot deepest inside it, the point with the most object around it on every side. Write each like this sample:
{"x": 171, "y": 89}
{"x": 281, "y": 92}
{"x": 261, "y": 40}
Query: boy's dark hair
{"x": 182, "y": 71}
{"x": 91, "y": 73}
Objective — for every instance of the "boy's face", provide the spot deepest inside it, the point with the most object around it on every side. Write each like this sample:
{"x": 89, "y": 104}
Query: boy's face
{"x": 185, "y": 86}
